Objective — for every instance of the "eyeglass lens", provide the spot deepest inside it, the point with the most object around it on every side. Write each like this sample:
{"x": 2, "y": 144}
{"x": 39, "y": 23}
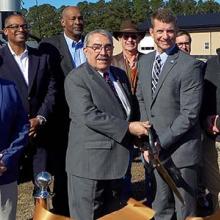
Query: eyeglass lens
{"x": 99, "y": 47}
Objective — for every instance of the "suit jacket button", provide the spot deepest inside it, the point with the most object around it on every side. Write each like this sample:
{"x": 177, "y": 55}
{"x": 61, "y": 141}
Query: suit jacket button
{"x": 152, "y": 115}
{"x": 29, "y": 98}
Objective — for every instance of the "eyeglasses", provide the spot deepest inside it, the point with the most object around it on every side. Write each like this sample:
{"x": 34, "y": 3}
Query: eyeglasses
{"x": 18, "y": 26}
{"x": 132, "y": 36}
{"x": 183, "y": 43}
{"x": 98, "y": 47}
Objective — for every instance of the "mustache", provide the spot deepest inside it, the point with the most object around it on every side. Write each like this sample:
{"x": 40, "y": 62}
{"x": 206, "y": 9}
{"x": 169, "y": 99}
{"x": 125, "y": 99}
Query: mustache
{"x": 103, "y": 57}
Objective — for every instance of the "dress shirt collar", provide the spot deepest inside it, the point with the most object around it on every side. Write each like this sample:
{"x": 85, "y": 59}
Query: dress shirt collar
{"x": 23, "y": 54}
{"x": 110, "y": 74}
{"x": 165, "y": 54}
{"x": 72, "y": 43}
{"x": 163, "y": 57}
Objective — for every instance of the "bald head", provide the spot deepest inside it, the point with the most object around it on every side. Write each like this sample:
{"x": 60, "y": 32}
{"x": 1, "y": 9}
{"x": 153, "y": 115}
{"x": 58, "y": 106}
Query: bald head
{"x": 70, "y": 9}
{"x": 72, "y": 22}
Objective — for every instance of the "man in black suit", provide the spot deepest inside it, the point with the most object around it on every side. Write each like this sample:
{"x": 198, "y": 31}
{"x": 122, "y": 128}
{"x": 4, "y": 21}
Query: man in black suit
{"x": 66, "y": 53}
{"x": 30, "y": 71}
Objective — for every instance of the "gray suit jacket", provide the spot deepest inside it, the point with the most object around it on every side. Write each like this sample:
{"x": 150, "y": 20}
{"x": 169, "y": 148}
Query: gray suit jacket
{"x": 174, "y": 108}
{"x": 98, "y": 145}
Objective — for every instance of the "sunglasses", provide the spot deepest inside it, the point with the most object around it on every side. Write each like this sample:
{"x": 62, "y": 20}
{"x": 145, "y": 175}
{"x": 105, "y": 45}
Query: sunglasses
{"x": 132, "y": 36}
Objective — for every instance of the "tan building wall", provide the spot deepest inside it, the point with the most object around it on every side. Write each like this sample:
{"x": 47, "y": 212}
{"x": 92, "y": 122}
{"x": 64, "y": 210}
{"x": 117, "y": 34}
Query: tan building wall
{"x": 117, "y": 47}
{"x": 205, "y": 43}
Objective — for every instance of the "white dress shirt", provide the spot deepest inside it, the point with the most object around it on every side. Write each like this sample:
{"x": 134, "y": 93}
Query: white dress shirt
{"x": 22, "y": 61}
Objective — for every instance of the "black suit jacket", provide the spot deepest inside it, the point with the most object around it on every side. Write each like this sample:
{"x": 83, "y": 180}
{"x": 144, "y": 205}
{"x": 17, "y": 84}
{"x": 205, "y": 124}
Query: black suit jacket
{"x": 58, "y": 50}
{"x": 38, "y": 97}
{"x": 61, "y": 62}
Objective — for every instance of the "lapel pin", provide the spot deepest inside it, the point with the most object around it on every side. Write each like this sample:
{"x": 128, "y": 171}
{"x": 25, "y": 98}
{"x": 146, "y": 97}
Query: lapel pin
{"x": 172, "y": 61}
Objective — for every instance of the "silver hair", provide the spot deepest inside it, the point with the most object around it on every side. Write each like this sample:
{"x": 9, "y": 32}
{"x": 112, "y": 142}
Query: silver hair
{"x": 97, "y": 31}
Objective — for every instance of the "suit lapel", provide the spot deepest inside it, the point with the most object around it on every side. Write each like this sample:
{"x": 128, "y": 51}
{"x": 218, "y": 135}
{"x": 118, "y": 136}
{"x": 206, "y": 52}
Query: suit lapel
{"x": 65, "y": 53}
{"x": 169, "y": 64}
{"x": 13, "y": 72}
{"x": 147, "y": 78}
{"x": 105, "y": 87}
{"x": 123, "y": 87}
{"x": 99, "y": 80}
{"x": 32, "y": 68}
{"x": 121, "y": 62}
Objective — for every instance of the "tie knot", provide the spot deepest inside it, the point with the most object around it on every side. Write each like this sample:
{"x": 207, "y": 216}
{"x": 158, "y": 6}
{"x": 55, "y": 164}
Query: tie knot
{"x": 106, "y": 76}
{"x": 158, "y": 59}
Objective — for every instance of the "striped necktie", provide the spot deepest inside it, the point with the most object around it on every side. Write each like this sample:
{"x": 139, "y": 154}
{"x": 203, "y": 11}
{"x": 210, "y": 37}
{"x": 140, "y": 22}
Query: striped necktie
{"x": 156, "y": 73}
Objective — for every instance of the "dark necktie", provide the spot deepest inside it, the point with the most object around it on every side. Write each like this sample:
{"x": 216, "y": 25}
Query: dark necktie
{"x": 156, "y": 73}
{"x": 111, "y": 85}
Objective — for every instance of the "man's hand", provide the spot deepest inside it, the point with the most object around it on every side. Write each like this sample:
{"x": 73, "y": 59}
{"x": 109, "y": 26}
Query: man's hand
{"x": 211, "y": 124}
{"x": 139, "y": 128}
{"x": 147, "y": 156}
{"x": 2, "y": 166}
{"x": 34, "y": 125}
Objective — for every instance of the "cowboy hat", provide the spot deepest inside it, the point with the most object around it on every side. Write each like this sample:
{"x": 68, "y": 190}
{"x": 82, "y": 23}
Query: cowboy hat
{"x": 127, "y": 26}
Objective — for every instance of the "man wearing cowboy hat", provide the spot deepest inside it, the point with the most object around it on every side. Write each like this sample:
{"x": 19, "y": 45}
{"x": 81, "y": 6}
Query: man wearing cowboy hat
{"x": 129, "y": 36}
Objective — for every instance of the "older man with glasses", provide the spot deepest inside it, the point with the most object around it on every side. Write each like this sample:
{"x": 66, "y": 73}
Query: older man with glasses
{"x": 99, "y": 100}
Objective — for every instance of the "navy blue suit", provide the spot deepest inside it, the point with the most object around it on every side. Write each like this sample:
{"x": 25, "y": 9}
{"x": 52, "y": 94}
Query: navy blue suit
{"x": 13, "y": 130}
{"x": 38, "y": 98}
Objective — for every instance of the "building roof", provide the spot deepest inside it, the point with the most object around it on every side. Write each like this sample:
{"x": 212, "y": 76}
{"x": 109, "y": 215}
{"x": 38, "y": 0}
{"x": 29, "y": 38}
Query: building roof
{"x": 190, "y": 22}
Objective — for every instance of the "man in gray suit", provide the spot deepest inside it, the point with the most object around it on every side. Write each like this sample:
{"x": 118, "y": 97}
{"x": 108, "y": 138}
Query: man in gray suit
{"x": 99, "y": 100}
{"x": 169, "y": 93}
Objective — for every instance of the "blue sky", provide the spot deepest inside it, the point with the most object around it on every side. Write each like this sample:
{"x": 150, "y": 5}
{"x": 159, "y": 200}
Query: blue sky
{"x": 57, "y": 3}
